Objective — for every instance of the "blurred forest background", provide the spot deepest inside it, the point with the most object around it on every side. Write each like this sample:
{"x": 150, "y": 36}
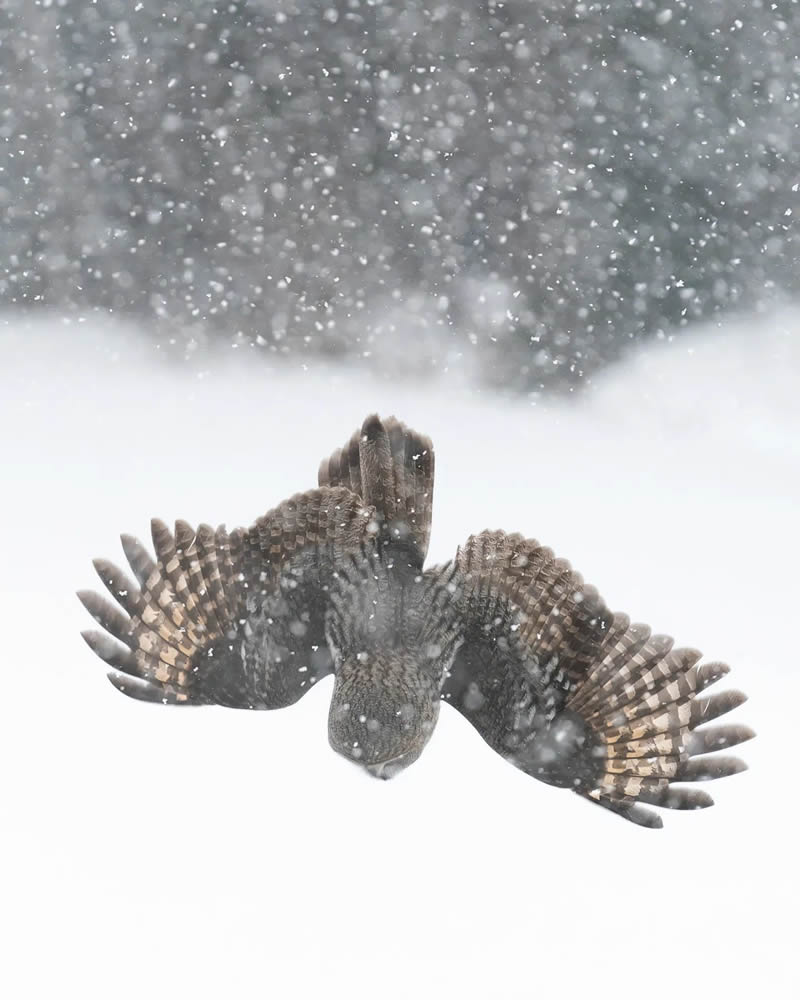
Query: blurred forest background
{"x": 516, "y": 189}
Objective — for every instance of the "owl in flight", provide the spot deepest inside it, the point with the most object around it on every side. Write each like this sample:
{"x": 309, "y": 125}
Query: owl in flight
{"x": 332, "y": 581}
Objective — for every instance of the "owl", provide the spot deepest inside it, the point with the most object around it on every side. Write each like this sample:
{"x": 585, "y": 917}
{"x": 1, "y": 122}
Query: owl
{"x": 333, "y": 581}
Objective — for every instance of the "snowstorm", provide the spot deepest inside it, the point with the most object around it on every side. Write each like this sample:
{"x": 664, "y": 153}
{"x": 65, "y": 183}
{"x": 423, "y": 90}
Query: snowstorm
{"x": 559, "y": 239}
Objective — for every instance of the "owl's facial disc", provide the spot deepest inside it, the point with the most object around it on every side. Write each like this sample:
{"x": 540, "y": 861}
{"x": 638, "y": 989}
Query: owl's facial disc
{"x": 385, "y": 726}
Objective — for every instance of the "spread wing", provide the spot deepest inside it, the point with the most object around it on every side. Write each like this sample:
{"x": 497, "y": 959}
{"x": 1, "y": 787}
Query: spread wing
{"x": 577, "y": 696}
{"x": 234, "y": 619}
{"x": 390, "y": 467}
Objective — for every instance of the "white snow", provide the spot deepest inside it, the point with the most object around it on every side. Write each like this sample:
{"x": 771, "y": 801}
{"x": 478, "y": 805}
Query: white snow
{"x": 158, "y": 852}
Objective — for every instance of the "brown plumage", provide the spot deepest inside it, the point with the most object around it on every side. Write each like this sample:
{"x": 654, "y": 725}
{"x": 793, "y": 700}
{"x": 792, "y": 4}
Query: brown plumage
{"x": 332, "y": 581}
{"x": 577, "y": 696}
{"x": 188, "y": 637}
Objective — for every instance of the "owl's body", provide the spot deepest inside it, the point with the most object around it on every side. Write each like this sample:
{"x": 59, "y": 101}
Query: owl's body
{"x": 333, "y": 581}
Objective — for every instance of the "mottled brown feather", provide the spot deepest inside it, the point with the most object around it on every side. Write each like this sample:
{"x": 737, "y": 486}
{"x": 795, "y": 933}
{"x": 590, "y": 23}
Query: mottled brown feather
{"x": 523, "y": 609}
{"x": 391, "y": 467}
{"x": 195, "y": 594}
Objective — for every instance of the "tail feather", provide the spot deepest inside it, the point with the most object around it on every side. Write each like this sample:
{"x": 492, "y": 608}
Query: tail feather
{"x": 414, "y": 468}
{"x": 353, "y": 465}
{"x": 401, "y": 461}
{"x": 377, "y": 467}
{"x": 330, "y": 470}
{"x": 391, "y": 468}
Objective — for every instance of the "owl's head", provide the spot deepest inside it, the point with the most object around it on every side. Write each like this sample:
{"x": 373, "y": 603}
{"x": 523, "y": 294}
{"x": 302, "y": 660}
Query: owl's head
{"x": 383, "y": 711}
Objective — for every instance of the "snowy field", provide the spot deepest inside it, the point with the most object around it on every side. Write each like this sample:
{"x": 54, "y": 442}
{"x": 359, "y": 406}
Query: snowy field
{"x": 151, "y": 852}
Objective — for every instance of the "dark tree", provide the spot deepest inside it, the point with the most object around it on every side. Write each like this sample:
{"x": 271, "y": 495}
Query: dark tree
{"x": 524, "y": 186}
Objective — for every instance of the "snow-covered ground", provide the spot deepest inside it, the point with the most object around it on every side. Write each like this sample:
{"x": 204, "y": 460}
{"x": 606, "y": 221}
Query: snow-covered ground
{"x": 155, "y": 852}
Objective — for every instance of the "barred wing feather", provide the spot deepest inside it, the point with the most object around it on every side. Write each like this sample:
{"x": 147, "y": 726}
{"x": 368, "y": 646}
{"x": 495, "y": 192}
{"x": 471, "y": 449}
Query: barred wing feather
{"x": 230, "y": 618}
{"x": 577, "y": 696}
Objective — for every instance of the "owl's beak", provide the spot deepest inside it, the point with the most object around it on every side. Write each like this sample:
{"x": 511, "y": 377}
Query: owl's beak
{"x": 389, "y": 768}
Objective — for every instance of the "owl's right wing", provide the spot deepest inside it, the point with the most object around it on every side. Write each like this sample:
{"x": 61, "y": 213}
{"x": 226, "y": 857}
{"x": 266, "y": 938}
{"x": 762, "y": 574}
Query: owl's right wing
{"x": 575, "y": 695}
{"x": 235, "y": 619}
{"x": 391, "y": 467}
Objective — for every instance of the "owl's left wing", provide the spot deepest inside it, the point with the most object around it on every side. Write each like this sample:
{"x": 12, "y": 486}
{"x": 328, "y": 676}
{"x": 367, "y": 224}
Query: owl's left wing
{"x": 575, "y": 695}
{"x": 235, "y": 619}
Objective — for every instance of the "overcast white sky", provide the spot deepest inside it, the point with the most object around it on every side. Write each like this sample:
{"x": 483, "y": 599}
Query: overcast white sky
{"x": 157, "y": 852}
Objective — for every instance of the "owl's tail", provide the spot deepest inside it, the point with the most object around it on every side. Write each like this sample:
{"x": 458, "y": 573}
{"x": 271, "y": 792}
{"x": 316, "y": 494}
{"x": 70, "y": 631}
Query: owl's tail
{"x": 640, "y": 700}
{"x": 391, "y": 467}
